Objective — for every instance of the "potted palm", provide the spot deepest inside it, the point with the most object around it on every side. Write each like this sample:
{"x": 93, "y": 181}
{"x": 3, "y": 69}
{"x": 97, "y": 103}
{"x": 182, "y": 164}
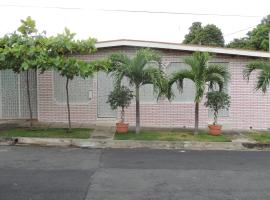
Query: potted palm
{"x": 121, "y": 97}
{"x": 137, "y": 71}
{"x": 216, "y": 101}
{"x": 202, "y": 73}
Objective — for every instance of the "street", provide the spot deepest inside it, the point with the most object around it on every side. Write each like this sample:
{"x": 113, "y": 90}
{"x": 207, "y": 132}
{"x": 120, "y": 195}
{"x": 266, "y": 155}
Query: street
{"x": 43, "y": 173}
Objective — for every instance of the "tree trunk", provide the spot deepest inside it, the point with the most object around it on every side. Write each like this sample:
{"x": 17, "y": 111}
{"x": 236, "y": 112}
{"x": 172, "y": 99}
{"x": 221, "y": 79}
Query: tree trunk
{"x": 29, "y": 99}
{"x": 215, "y": 117}
{"x": 68, "y": 108}
{"x": 196, "y": 129}
{"x": 123, "y": 115}
{"x": 137, "y": 109}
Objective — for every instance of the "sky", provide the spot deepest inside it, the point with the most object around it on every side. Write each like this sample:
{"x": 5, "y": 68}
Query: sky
{"x": 95, "y": 18}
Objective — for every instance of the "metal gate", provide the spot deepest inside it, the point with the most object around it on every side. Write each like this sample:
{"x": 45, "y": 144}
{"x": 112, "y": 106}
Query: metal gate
{"x": 104, "y": 87}
{"x": 13, "y": 95}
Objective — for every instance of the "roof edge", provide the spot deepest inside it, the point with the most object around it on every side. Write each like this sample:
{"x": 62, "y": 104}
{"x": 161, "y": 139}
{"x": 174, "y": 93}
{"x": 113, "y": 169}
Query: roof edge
{"x": 183, "y": 47}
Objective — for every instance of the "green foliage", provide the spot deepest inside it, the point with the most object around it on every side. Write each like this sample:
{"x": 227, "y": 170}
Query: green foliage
{"x": 121, "y": 96}
{"x": 25, "y": 49}
{"x": 260, "y": 136}
{"x": 185, "y": 135}
{"x": 201, "y": 73}
{"x": 194, "y": 32}
{"x": 28, "y": 26}
{"x": 263, "y": 77}
{"x": 139, "y": 71}
{"x": 217, "y": 100}
{"x": 257, "y": 39}
{"x": 80, "y": 133}
{"x": 21, "y": 53}
{"x": 65, "y": 44}
{"x": 62, "y": 51}
{"x": 208, "y": 35}
{"x": 242, "y": 43}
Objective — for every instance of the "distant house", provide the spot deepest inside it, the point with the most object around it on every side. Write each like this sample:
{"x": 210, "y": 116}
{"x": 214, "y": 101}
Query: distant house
{"x": 249, "y": 108}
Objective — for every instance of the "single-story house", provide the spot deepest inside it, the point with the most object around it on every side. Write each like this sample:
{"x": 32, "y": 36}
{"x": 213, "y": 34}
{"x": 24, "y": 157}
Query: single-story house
{"x": 249, "y": 108}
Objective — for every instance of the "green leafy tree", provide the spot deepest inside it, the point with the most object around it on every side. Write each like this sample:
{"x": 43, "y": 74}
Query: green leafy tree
{"x": 3, "y": 53}
{"x": 194, "y": 31}
{"x": 138, "y": 72}
{"x": 201, "y": 73}
{"x": 263, "y": 78}
{"x": 257, "y": 39}
{"x": 62, "y": 56}
{"x": 242, "y": 43}
{"x": 121, "y": 96}
{"x": 24, "y": 50}
{"x": 217, "y": 100}
{"x": 209, "y": 35}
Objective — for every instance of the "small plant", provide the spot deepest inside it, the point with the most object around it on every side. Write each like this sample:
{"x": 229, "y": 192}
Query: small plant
{"x": 217, "y": 100}
{"x": 121, "y": 96}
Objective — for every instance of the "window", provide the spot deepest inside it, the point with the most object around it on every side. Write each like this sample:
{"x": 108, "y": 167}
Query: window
{"x": 147, "y": 94}
{"x": 79, "y": 89}
{"x": 188, "y": 94}
{"x": 147, "y": 91}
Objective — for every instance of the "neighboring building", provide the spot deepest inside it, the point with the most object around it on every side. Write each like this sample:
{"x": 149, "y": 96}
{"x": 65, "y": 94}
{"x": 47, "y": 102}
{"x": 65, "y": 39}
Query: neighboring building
{"x": 249, "y": 108}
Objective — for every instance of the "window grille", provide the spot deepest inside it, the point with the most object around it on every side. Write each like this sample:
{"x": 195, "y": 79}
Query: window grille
{"x": 13, "y": 95}
{"x": 79, "y": 89}
{"x": 188, "y": 94}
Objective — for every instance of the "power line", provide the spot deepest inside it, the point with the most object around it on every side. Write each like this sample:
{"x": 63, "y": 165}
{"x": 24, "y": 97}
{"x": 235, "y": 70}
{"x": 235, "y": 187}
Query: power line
{"x": 245, "y": 29}
{"x": 132, "y": 11}
{"x": 45, "y": 7}
{"x": 179, "y": 13}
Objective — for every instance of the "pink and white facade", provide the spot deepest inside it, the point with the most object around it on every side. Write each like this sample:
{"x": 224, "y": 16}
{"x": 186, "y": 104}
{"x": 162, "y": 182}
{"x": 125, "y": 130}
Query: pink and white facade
{"x": 249, "y": 108}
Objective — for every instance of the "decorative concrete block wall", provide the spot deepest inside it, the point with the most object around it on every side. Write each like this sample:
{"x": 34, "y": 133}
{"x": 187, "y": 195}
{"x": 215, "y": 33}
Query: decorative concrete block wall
{"x": 249, "y": 108}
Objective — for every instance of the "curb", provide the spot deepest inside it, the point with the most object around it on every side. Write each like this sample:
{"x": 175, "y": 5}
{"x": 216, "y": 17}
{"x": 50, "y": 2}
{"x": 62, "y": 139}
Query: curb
{"x": 186, "y": 145}
{"x": 131, "y": 144}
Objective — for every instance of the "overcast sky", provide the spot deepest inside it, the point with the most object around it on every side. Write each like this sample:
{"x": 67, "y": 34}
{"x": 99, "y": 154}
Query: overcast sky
{"x": 89, "y": 18}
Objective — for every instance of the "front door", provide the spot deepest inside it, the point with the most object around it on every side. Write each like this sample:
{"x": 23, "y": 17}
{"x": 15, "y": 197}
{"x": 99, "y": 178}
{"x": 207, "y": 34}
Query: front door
{"x": 104, "y": 87}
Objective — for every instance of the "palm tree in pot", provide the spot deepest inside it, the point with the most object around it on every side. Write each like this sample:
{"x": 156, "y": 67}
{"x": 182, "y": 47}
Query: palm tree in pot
{"x": 202, "y": 74}
{"x": 139, "y": 71}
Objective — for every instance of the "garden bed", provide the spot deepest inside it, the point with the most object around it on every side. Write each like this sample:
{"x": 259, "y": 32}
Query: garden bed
{"x": 260, "y": 136}
{"x": 79, "y": 133}
{"x": 171, "y": 136}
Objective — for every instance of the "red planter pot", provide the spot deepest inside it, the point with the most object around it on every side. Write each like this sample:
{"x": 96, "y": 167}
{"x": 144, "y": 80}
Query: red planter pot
{"x": 121, "y": 127}
{"x": 214, "y": 129}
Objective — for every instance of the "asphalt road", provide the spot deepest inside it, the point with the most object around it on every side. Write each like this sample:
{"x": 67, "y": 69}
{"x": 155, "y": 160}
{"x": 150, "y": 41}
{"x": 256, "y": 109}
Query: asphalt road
{"x": 35, "y": 173}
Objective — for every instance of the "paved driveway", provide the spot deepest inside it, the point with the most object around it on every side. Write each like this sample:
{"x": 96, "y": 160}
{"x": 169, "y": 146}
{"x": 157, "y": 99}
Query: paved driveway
{"x": 35, "y": 173}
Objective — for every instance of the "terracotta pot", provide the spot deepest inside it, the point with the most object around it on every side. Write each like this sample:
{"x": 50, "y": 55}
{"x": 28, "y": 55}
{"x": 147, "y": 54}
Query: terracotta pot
{"x": 214, "y": 129}
{"x": 121, "y": 127}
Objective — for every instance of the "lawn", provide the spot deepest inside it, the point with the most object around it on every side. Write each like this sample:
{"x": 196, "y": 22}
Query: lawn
{"x": 262, "y": 137}
{"x": 80, "y": 133}
{"x": 171, "y": 136}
